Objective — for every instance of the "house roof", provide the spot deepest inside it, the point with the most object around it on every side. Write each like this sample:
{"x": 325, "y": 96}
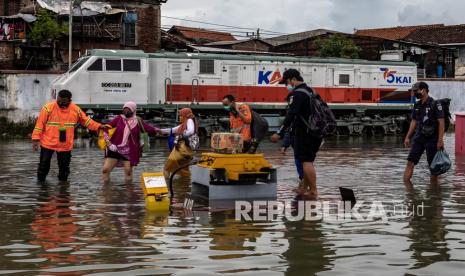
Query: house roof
{"x": 396, "y": 33}
{"x": 197, "y": 34}
{"x": 452, "y": 34}
{"x": 234, "y": 42}
{"x": 285, "y": 39}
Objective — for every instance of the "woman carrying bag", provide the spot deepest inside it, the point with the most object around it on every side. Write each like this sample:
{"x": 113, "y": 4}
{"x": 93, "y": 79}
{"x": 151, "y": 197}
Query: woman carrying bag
{"x": 186, "y": 142}
{"x": 125, "y": 146}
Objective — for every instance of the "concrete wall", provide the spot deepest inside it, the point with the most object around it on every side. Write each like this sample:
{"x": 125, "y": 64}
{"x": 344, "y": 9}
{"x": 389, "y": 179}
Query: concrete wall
{"x": 453, "y": 89}
{"x": 22, "y": 95}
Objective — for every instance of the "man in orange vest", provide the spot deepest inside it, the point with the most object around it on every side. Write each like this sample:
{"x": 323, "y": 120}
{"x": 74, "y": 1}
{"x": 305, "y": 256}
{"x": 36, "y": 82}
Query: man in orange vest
{"x": 54, "y": 132}
{"x": 240, "y": 119}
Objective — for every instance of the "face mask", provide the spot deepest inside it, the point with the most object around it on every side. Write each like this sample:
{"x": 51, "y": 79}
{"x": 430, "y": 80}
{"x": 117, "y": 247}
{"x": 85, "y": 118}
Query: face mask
{"x": 227, "y": 108}
{"x": 63, "y": 105}
{"x": 290, "y": 88}
{"x": 129, "y": 114}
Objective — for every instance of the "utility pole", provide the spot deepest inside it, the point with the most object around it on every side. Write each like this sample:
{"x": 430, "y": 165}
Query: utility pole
{"x": 258, "y": 33}
{"x": 70, "y": 34}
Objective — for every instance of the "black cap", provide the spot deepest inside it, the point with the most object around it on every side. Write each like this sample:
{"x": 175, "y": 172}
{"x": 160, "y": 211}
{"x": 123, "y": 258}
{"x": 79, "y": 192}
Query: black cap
{"x": 289, "y": 74}
{"x": 419, "y": 86}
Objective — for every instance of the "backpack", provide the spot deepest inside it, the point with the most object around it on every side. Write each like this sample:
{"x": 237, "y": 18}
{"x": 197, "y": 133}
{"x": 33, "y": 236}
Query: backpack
{"x": 321, "y": 122}
{"x": 445, "y": 103}
{"x": 259, "y": 126}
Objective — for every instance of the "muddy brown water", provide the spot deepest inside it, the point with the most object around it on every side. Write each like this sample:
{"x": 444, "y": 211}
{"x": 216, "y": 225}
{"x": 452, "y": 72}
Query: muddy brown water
{"x": 87, "y": 228}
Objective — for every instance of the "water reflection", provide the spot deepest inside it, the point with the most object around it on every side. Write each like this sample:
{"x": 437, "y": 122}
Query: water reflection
{"x": 87, "y": 227}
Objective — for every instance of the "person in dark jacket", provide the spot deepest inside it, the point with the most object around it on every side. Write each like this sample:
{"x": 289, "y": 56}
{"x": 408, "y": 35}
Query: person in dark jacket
{"x": 305, "y": 145}
{"x": 427, "y": 128}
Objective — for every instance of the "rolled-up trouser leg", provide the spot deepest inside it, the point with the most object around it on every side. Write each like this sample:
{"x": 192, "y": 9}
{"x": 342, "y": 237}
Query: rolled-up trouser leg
{"x": 64, "y": 159}
{"x": 44, "y": 163}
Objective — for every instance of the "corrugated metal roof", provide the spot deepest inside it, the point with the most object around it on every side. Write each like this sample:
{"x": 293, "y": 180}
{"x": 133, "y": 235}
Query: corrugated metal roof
{"x": 290, "y": 38}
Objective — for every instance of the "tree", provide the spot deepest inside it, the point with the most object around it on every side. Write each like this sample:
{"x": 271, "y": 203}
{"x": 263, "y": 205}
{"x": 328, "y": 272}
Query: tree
{"x": 337, "y": 45}
{"x": 47, "y": 29}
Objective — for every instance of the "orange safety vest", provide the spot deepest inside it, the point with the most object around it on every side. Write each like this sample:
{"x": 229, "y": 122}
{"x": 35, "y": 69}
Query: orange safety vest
{"x": 242, "y": 126}
{"x": 52, "y": 118}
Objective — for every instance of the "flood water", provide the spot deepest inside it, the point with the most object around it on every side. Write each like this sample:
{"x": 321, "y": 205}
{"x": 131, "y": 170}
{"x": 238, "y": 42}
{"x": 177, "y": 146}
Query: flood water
{"x": 87, "y": 228}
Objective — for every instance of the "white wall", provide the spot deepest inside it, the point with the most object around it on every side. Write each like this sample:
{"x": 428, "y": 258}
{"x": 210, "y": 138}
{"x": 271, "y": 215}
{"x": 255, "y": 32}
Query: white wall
{"x": 453, "y": 89}
{"x": 22, "y": 95}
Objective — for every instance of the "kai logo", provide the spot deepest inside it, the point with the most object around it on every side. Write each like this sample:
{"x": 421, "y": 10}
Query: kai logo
{"x": 391, "y": 77}
{"x": 269, "y": 77}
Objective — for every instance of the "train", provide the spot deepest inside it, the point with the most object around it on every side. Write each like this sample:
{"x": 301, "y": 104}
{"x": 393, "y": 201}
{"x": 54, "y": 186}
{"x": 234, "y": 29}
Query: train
{"x": 366, "y": 96}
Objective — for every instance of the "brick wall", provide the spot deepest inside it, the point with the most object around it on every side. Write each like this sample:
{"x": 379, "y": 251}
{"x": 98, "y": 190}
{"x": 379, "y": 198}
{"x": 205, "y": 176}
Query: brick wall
{"x": 6, "y": 55}
{"x": 148, "y": 28}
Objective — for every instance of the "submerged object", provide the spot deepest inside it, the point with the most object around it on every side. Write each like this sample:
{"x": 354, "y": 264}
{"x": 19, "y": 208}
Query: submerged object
{"x": 233, "y": 176}
{"x": 155, "y": 191}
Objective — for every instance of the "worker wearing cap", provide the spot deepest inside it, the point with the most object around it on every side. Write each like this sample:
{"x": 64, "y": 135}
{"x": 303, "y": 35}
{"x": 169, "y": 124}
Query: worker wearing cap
{"x": 427, "y": 129}
{"x": 54, "y": 131}
{"x": 306, "y": 146}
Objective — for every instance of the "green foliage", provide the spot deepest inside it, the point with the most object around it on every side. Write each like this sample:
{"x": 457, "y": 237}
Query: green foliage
{"x": 46, "y": 28}
{"x": 337, "y": 45}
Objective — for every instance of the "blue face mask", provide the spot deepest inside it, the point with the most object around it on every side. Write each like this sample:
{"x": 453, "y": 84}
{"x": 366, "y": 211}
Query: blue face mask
{"x": 290, "y": 88}
{"x": 227, "y": 108}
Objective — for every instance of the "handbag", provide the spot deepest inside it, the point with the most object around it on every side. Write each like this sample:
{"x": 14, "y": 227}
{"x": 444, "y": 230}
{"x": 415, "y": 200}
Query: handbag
{"x": 144, "y": 140}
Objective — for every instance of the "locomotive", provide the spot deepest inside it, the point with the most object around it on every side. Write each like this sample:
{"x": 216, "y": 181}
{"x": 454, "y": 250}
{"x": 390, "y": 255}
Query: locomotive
{"x": 366, "y": 96}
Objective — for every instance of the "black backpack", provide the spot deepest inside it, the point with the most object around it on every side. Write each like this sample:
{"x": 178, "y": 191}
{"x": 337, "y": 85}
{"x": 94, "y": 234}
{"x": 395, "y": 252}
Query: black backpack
{"x": 259, "y": 126}
{"x": 321, "y": 122}
{"x": 445, "y": 103}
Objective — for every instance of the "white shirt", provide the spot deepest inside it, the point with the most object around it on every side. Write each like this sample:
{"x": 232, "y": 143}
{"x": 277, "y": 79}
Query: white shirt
{"x": 188, "y": 132}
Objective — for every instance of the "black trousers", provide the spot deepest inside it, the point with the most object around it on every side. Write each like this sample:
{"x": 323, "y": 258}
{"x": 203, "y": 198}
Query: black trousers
{"x": 64, "y": 159}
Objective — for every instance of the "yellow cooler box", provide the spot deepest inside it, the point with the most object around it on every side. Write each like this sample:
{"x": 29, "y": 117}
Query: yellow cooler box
{"x": 155, "y": 191}
{"x": 224, "y": 142}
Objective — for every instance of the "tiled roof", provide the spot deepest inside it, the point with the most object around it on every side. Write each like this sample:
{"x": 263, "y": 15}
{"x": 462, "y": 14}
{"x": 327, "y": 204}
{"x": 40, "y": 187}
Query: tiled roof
{"x": 442, "y": 35}
{"x": 396, "y": 33}
{"x": 197, "y": 34}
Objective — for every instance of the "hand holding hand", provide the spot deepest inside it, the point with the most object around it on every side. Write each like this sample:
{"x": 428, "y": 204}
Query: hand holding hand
{"x": 275, "y": 138}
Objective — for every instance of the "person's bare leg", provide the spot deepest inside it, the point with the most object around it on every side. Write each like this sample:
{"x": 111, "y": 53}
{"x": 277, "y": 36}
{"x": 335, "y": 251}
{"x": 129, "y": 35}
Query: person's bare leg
{"x": 108, "y": 165}
{"x": 127, "y": 172}
{"x": 310, "y": 180}
{"x": 408, "y": 173}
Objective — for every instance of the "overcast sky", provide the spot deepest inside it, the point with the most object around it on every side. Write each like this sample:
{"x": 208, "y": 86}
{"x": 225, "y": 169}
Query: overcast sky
{"x": 290, "y": 16}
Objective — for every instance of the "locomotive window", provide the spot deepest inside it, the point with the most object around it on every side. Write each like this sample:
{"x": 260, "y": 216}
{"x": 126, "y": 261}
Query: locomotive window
{"x": 78, "y": 64}
{"x": 113, "y": 64}
{"x": 96, "y": 66}
{"x": 344, "y": 79}
{"x": 131, "y": 65}
{"x": 207, "y": 66}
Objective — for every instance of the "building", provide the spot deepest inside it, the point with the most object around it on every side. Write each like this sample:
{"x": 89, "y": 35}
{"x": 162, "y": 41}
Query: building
{"x": 438, "y": 45}
{"x": 255, "y": 45}
{"x": 388, "y": 46}
{"x": 113, "y": 24}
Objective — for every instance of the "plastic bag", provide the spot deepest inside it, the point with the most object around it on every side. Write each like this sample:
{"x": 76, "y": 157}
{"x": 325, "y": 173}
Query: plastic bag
{"x": 171, "y": 140}
{"x": 441, "y": 163}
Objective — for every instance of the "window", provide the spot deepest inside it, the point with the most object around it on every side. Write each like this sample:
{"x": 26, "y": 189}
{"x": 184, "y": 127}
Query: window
{"x": 207, "y": 66}
{"x": 344, "y": 79}
{"x": 449, "y": 58}
{"x": 96, "y": 66}
{"x": 113, "y": 64}
{"x": 78, "y": 64}
{"x": 131, "y": 65}
{"x": 128, "y": 36}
